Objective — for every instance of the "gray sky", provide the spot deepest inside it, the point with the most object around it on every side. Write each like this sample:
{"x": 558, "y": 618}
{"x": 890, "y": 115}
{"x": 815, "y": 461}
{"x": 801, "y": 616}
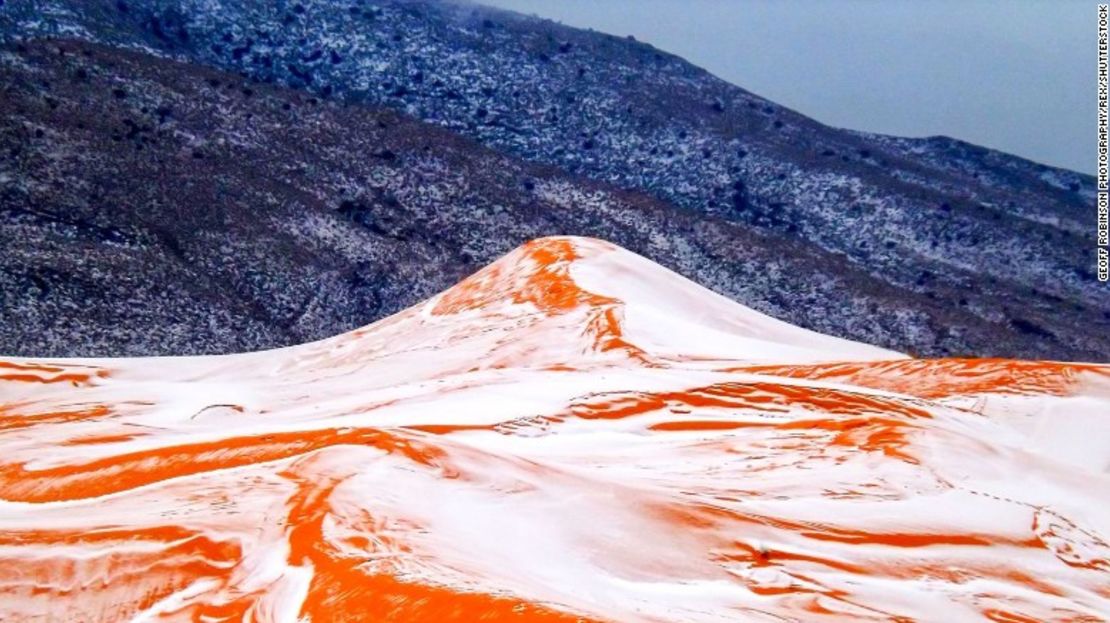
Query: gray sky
{"x": 1014, "y": 75}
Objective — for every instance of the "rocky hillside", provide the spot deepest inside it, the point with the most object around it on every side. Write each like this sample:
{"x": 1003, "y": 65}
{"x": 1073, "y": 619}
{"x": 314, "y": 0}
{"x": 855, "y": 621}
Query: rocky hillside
{"x": 931, "y": 246}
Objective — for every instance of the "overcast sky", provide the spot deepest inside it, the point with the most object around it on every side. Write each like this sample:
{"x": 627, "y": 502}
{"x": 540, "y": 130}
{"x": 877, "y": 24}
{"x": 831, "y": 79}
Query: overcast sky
{"x": 1016, "y": 75}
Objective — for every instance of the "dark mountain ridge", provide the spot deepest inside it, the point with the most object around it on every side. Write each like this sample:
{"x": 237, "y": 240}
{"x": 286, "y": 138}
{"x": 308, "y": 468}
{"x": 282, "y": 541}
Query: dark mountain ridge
{"x": 928, "y": 245}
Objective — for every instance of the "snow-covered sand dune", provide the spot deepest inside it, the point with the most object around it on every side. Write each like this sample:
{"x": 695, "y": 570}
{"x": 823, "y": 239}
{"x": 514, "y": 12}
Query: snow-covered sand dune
{"x": 571, "y": 434}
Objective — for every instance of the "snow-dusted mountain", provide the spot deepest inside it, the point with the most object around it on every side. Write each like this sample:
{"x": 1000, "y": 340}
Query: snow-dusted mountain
{"x": 571, "y": 434}
{"x": 174, "y": 169}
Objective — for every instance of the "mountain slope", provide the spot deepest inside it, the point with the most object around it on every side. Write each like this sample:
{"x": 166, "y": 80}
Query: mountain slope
{"x": 995, "y": 238}
{"x": 560, "y": 437}
{"x": 153, "y": 207}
